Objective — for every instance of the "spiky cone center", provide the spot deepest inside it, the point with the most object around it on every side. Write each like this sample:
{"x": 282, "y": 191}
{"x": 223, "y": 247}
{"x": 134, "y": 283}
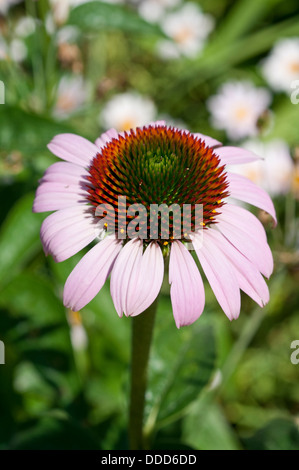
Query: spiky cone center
{"x": 157, "y": 165}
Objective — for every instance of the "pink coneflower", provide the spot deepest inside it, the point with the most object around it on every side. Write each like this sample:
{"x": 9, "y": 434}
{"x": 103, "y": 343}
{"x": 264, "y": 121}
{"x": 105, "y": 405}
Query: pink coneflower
{"x": 153, "y": 165}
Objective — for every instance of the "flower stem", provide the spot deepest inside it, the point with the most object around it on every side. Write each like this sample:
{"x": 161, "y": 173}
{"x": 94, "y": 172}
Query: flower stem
{"x": 142, "y": 333}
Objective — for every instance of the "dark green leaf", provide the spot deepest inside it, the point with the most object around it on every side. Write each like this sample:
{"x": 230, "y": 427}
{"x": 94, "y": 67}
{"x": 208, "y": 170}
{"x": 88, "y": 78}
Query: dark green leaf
{"x": 279, "y": 434}
{"x": 19, "y": 237}
{"x": 97, "y": 16}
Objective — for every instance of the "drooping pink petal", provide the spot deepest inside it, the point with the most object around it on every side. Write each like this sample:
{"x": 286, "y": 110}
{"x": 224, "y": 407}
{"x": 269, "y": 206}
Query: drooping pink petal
{"x": 65, "y": 173}
{"x": 250, "y": 242}
{"x": 106, "y": 137}
{"x": 242, "y": 188}
{"x": 242, "y": 219}
{"x": 220, "y": 275}
{"x": 51, "y": 196}
{"x": 73, "y": 148}
{"x": 90, "y": 274}
{"x": 150, "y": 277}
{"x": 67, "y": 231}
{"x": 235, "y": 155}
{"x": 209, "y": 141}
{"x": 136, "y": 277}
{"x": 123, "y": 272}
{"x": 249, "y": 278}
{"x": 187, "y": 290}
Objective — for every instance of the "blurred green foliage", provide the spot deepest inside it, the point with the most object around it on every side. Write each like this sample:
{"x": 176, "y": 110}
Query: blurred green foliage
{"x": 213, "y": 385}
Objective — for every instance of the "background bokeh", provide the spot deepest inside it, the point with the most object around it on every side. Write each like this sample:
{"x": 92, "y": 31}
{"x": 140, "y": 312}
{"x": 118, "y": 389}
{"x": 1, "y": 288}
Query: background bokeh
{"x": 72, "y": 66}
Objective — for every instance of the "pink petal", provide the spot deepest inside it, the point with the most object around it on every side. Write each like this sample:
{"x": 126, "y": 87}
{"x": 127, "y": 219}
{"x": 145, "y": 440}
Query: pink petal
{"x": 90, "y": 274}
{"x": 124, "y": 268}
{"x": 52, "y": 196}
{"x": 67, "y": 173}
{"x": 73, "y": 148}
{"x": 150, "y": 278}
{"x": 157, "y": 123}
{"x": 253, "y": 246}
{"x": 67, "y": 231}
{"x": 220, "y": 275}
{"x": 242, "y": 188}
{"x": 106, "y": 137}
{"x": 236, "y": 155}
{"x": 249, "y": 278}
{"x": 209, "y": 141}
{"x": 187, "y": 290}
{"x": 242, "y": 219}
{"x": 136, "y": 277}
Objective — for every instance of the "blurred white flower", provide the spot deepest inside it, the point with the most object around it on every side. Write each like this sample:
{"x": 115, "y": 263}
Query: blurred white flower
{"x": 6, "y": 4}
{"x": 187, "y": 29}
{"x": 72, "y": 93}
{"x": 17, "y": 50}
{"x": 127, "y": 110}
{"x": 281, "y": 67}
{"x": 79, "y": 337}
{"x": 25, "y": 27}
{"x": 3, "y": 49}
{"x": 78, "y": 334}
{"x": 68, "y": 34}
{"x": 237, "y": 107}
{"x": 153, "y": 10}
{"x": 274, "y": 172}
{"x": 61, "y": 9}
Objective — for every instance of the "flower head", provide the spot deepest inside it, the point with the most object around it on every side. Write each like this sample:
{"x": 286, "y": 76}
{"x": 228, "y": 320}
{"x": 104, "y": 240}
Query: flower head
{"x": 281, "y": 67}
{"x": 237, "y": 107}
{"x": 155, "y": 164}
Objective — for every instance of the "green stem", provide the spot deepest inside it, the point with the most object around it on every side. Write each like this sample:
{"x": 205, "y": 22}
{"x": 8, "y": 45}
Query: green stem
{"x": 142, "y": 333}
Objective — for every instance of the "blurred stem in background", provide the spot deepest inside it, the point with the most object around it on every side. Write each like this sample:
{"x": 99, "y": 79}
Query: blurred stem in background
{"x": 142, "y": 333}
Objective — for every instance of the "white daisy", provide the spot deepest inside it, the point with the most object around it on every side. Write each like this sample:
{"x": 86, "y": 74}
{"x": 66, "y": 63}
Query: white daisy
{"x": 187, "y": 29}
{"x": 153, "y": 10}
{"x": 281, "y": 67}
{"x": 127, "y": 111}
{"x": 72, "y": 93}
{"x": 6, "y": 4}
{"x": 237, "y": 107}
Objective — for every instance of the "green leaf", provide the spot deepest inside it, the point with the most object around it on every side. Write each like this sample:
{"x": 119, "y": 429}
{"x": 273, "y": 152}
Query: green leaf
{"x": 244, "y": 15}
{"x": 31, "y": 295}
{"x": 19, "y": 237}
{"x": 278, "y": 434}
{"x": 98, "y": 16}
{"x": 214, "y": 431}
{"x": 57, "y": 431}
{"x": 26, "y": 132}
{"x": 176, "y": 380}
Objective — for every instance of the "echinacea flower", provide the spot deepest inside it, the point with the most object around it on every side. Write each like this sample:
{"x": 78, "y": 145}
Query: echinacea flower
{"x": 152, "y": 165}
{"x": 237, "y": 107}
